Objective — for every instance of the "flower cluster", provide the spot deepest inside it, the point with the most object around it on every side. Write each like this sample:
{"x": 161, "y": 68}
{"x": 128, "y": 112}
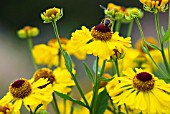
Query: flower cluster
{"x": 126, "y": 78}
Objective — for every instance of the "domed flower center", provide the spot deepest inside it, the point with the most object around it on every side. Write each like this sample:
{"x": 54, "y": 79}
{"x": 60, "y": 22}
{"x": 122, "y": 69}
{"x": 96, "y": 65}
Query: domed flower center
{"x": 101, "y": 32}
{"x": 143, "y": 81}
{"x": 20, "y": 88}
{"x": 44, "y": 73}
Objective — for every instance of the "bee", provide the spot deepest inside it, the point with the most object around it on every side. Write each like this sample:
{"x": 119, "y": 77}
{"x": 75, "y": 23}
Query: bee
{"x": 107, "y": 22}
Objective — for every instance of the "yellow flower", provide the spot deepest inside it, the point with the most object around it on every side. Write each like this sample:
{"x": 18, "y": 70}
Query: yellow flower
{"x": 45, "y": 55}
{"x": 52, "y": 14}
{"x": 28, "y": 32}
{"x": 29, "y": 93}
{"x": 59, "y": 78}
{"x": 69, "y": 47}
{"x": 100, "y": 41}
{"x": 143, "y": 91}
{"x": 151, "y": 5}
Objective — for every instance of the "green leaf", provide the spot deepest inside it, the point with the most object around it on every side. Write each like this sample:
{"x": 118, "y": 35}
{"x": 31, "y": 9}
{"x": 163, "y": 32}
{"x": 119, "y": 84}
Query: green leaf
{"x": 102, "y": 102}
{"x": 68, "y": 61}
{"x": 166, "y": 36}
{"x": 64, "y": 96}
{"x": 145, "y": 49}
{"x": 88, "y": 72}
{"x": 152, "y": 46}
{"x": 162, "y": 31}
{"x": 105, "y": 79}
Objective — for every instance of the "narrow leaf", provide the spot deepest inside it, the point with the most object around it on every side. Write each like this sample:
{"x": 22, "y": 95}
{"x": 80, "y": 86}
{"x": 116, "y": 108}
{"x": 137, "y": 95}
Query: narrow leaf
{"x": 68, "y": 61}
{"x": 166, "y": 36}
{"x": 88, "y": 72}
{"x": 102, "y": 102}
{"x": 162, "y": 31}
{"x": 145, "y": 49}
{"x": 105, "y": 79}
{"x": 152, "y": 46}
{"x": 64, "y": 96}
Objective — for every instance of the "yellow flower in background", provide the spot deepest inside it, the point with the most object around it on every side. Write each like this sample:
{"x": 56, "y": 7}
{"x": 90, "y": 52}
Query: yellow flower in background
{"x": 7, "y": 108}
{"x": 69, "y": 47}
{"x": 28, "y": 32}
{"x": 100, "y": 41}
{"x": 143, "y": 91}
{"x": 52, "y": 14}
{"x": 59, "y": 78}
{"x": 29, "y": 93}
{"x": 45, "y": 55}
{"x": 151, "y": 5}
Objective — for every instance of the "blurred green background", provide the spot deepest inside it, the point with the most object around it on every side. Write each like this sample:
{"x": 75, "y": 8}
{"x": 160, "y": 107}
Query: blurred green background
{"x": 15, "y": 59}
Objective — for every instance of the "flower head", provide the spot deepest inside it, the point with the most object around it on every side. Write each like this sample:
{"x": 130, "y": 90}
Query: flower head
{"x": 59, "y": 78}
{"x": 45, "y": 55}
{"x": 100, "y": 41}
{"x": 52, "y": 14}
{"x": 154, "y": 5}
{"x": 28, "y": 92}
{"x": 28, "y": 32}
{"x": 141, "y": 90}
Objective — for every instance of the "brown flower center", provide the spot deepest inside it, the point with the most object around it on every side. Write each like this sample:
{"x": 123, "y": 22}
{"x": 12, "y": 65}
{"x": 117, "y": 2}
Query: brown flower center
{"x": 20, "y": 88}
{"x": 44, "y": 73}
{"x": 101, "y": 32}
{"x": 143, "y": 81}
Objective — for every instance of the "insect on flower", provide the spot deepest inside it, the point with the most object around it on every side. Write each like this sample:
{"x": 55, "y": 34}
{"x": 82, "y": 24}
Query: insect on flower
{"x": 107, "y": 22}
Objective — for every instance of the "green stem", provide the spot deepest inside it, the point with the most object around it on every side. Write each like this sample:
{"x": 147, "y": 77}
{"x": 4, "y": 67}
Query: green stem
{"x": 130, "y": 28}
{"x": 55, "y": 106}
{"x": 73, "y": 76}
{"x": 143, "y": 38}
{"x": 161, "y": 42}
{"x": 118, "y": 74}
{"x": 112, "y": 28}
{"x": 169, "y": 51}
{"x": 30, "y": 45}
{"x": 118, "y": 24}
{"x": 95, "y": 88}
{"x": 64, "y": 102}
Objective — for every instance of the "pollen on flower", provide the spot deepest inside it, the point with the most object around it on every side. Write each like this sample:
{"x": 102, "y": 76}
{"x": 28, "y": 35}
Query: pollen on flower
{"x": 101, "y": 32}
{"x": 143, "y": 81}
{"x": 44, "y": 73}
{"x": 20, "y": 88}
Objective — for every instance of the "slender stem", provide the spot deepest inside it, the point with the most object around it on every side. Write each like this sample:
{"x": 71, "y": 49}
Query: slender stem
{"x": 73, "y": 76}
{"x": 161, "y": 42}
{"x": 130, "y": 28}
{"x": 112, "y": 28}
{"x": 80, "y": 91}
{"x": 30, "y": 45}
{"x": 57, "y": 35}
{"x": 118, "y": 74}
{"x": 142, "y": 35}
{"x": 64, "y": 103}
{"x": 118, "y": 24}
{"x": 55, "y": 104}
{"x": 156, "y": 15}
{"x": 95, "y": 88}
